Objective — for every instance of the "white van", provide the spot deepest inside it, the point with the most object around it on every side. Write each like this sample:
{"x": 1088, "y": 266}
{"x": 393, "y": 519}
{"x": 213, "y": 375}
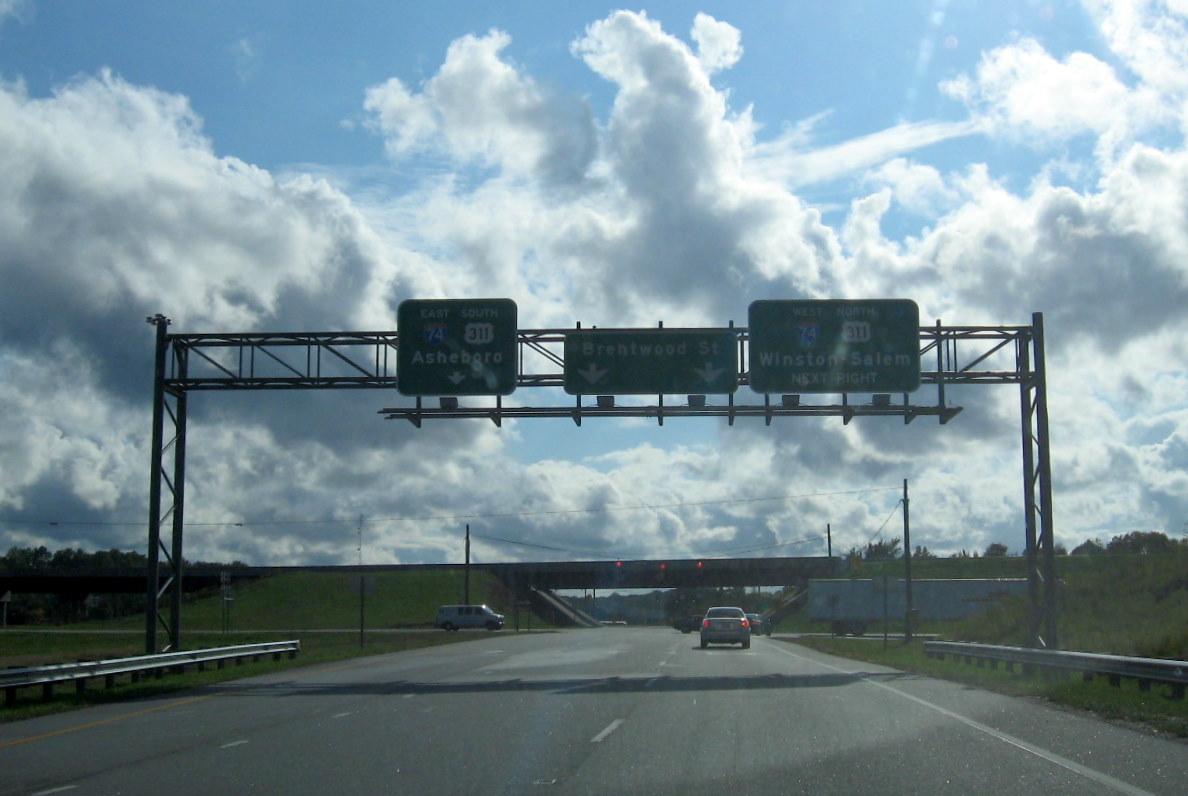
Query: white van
{"x": 453, "y": 617}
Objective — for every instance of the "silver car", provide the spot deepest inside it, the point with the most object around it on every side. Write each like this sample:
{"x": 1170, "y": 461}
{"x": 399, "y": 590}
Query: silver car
{"x": 725, "y": 625}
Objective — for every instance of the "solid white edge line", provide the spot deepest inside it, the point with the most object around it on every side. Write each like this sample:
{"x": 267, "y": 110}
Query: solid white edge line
{"x": 614, "y": 725}
{"x": 1051, "y": 757}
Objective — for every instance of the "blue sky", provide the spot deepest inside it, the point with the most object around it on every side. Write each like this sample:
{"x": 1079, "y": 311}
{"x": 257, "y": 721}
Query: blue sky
{"x": 281, "y": 165}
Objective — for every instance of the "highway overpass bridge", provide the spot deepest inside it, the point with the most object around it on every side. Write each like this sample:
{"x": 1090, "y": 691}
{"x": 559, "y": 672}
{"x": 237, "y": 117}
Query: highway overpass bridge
{"x": 666, "y": 574}
{"x": 551, "y": 575}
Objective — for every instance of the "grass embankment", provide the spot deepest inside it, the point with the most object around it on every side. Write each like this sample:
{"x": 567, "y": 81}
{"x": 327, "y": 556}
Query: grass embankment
{"x": 1111, "y": 604}
{"x": 271, "y": 609}
{"x": 330, "y": 601}
{"x": 1115, "y": 605}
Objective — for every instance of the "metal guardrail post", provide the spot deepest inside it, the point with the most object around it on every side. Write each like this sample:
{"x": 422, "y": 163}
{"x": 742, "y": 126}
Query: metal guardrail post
{"x": 1117, "y": 667}
{"x": 155, "y": 665}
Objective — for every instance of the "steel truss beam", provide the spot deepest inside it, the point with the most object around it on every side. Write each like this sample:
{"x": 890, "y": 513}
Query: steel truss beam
{"x": 963, "y": 355}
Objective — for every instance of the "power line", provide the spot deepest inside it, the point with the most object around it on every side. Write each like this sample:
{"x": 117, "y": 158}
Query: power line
{"x": 894, "y": 508}
{"x": 453, "y": 517}
{"x": 538, "y": 546}
{"x": 641, "y": 507}
{"x": 803, "y": 540}
{"x": 603, "y": 554}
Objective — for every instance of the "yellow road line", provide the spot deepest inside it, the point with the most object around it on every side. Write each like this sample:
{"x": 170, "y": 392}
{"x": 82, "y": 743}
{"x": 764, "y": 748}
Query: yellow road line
{"x": 134, "y": 714}
{"x": 66, "y": 730}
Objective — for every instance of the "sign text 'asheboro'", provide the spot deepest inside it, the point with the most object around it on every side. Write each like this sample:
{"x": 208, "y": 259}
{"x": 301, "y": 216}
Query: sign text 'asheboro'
{"x": 456, "y": 347}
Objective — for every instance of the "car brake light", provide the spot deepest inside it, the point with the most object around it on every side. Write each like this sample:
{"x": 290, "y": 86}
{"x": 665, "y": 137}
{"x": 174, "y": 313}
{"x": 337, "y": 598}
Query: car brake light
{"x": 705, "y": 623}
{"x": 746, "y": 623}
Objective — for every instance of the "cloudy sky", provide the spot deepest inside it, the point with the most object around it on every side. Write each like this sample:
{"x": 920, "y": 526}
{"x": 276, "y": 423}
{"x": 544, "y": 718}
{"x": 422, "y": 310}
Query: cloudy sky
{"x": 281, "y": 166}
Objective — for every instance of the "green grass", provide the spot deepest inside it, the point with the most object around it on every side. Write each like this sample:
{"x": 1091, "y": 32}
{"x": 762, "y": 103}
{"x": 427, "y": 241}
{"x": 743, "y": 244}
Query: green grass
{"x": 330, "y": 600}
{"x": 1153, "y": 710}
{"x": 316, "y": 648}
{"x": 278, "y": 608}
{"x": 1116, "y": 605}
{"x": 1112, "y": 604}
{"x": 19, "y": 648}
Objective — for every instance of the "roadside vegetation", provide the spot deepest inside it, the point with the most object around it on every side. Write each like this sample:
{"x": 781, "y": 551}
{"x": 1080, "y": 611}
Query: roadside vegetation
{"x": 321, "y": 609}
{"x": 1153, "y": 710}
{"x": 1127, "y": 597}
{"x": 1119, "y": 603}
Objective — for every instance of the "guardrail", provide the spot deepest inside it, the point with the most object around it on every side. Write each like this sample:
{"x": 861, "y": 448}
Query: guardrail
{"x": 157, "y": 665}
{"x": 1116, "y": 667}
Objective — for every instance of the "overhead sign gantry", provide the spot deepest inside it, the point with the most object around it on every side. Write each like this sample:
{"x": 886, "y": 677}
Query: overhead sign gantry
{"x": 873, "y": 355}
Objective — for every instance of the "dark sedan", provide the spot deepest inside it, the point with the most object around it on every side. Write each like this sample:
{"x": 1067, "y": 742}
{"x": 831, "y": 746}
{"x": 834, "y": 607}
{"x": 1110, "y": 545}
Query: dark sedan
{"x": 725, "y": 625}
{"x": 759, "y": 625}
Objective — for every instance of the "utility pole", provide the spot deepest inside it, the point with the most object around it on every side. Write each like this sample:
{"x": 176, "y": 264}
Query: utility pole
{"x": 361, "y": 585}
{"x": 907, "y": 567}
{"x": 466, "y": 596}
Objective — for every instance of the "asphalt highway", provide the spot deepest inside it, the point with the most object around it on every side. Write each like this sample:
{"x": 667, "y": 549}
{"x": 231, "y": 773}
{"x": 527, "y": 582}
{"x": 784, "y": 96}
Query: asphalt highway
{"x": 609, "y": 711}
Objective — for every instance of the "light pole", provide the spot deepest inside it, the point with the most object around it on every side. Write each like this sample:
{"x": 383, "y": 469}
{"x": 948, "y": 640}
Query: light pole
{"x": 361, "y": 600}
{"x": 909, "y": 614}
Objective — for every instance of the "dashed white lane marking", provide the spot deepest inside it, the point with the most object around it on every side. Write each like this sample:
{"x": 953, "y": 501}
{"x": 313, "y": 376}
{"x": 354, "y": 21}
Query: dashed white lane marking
{"x": 1019, "y": 743}
{"x": 55, "y": 790}
{"x": 233, "y": 743}
{"x": 600, "y": 737}
{"x": 341, "y": 715}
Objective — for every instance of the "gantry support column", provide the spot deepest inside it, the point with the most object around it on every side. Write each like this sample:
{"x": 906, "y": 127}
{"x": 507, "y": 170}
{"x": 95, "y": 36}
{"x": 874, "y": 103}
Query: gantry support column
{"x": 1042, "y": 584}
{"x": 164, "y": 576}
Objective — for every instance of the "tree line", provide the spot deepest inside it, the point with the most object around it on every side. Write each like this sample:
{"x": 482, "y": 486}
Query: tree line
{"x": 1132, "y": 543}
{"x": 31, "y": 609}
{"x": 40, "y": 561}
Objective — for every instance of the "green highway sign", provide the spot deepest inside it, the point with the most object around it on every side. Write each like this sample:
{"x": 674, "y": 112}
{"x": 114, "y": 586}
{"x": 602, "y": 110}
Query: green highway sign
{"x": 834, "y": 345}
{"x": 456, "y": 347}
{"x": 650, "y": 361}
